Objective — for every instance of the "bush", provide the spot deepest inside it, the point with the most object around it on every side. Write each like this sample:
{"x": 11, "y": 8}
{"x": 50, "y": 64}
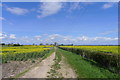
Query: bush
{"x": 108, "y": 60}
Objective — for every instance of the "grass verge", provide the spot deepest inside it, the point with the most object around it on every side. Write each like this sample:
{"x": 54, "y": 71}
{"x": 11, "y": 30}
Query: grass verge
{"x": 48, "y": 54}
{"x": 86, "y": 69}
{"x": 55, "y": 67}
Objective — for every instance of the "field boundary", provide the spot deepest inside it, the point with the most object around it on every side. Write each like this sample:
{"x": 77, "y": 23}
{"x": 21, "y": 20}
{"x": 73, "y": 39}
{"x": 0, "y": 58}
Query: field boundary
{"x": 109, "y": 61}
{"x": 26, "y": 70}
{"x": 85, "y": 68}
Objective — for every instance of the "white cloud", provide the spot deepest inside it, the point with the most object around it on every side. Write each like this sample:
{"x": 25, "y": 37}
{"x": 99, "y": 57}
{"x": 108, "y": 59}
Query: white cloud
{"x": 82, "y": 38}
{"x": 2, "y": 18}
{"x": 104, "y": 39}
{"x": 61, "y": 39}
{"x": 38, "y": 37}
{"x": 0, "y": 4}
{"x": 74, "y": 6}
{"x": 17, "y": 11}
{"x": 54, "y": 36}
{"x": 108, "y": 5}
{"x": 2, "y": 35}
{"x": 88, "y": 3}
{"x": 49, "y": 8}
{"x": 5, "y": 20}
{"x": 12, "y": 36}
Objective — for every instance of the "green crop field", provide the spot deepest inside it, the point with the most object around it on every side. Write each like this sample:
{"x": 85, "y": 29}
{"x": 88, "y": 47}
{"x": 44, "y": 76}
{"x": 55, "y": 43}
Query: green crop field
{"x": 104, "y": 49}
{"x": 87, "y": 61}
{"x": 20, "y": 53}
{"x": 107, "y": 56}
{"x": 86, "y": 68}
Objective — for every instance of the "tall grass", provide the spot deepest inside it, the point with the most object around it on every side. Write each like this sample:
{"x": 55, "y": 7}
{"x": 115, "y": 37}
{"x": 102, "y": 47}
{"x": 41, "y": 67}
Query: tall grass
{"x": 86, "y": 69}
{"x": 108, "y": 60}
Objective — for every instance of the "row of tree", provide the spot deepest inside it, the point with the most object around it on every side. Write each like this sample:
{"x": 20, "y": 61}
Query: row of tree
{"x": 55, "y": 44}
{"x": 11, "y": 44}
{"x": 18, "y": 44}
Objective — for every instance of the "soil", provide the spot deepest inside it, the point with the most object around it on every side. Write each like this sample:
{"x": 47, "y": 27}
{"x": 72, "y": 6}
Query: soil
{"x": 42, "y": 69}
{"x": 61, "y": 70}
{"x": 13, "y": 68}
{"x": 0, "y": 71}
{"x": 66, "y": 70}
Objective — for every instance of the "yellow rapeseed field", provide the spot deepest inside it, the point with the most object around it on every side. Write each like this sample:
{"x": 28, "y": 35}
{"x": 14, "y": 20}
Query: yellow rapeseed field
{"x": 112, "y": 49}
{"x": 23, "y": 52}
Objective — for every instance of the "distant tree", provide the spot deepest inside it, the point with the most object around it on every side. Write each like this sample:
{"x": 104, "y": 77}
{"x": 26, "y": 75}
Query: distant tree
{"x": 51, "y": 44}
{"x": 16, "y": 44}
{"x": 41, "y": 44}
{"x": 47, "y": 44}
{"x": 2, "y": 43}
{"x": 62, "y": 45}
{"x": 10, "y": 44}
{"x": 55, "y": 44}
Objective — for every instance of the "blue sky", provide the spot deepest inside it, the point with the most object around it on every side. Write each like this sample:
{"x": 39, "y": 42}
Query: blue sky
{"x": 77, "y": 23}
